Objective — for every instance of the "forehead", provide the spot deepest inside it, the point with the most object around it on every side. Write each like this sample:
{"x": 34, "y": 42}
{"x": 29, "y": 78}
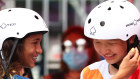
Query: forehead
{"x": 34, "y": 36}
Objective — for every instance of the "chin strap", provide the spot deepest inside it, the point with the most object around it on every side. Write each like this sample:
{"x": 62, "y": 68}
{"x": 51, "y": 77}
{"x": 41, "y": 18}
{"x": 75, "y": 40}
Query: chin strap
{"x": 3, "y": 59}
{"x": 115, "y": 65}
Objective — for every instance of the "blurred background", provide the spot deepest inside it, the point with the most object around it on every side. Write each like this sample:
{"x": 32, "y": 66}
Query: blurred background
{"x": 58, "y": 15}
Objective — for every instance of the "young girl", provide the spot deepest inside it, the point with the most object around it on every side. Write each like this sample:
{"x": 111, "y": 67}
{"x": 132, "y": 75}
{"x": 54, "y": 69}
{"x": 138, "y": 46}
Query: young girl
{"x": 21, "y": 32}
{"x": 114, "y": 25}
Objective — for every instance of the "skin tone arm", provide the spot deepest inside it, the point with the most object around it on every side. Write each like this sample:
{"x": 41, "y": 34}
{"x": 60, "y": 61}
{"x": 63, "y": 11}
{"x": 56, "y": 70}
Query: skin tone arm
{"x": 128, "y": 65}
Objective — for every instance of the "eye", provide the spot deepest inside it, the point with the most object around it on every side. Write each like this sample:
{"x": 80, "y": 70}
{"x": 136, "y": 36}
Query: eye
{"x": 97, "y": 42}
{"x": 67, "y": 46}
{"x": 113, "y": 43}
{"x": 35, "y": 42}
{"x": 67, "y": 49}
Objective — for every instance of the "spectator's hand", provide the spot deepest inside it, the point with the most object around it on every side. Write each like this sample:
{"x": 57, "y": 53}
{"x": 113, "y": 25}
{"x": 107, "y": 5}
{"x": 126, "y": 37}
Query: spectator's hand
{"x": 128, "y": 65}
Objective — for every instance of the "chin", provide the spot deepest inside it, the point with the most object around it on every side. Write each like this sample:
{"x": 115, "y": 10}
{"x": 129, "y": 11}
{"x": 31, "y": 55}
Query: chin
{"x": 111, "y": 61}
{"x": 32, "y": 66}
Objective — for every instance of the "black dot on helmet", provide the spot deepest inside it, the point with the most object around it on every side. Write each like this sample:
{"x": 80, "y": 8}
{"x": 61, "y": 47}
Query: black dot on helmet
{"x": 126, "y": 35}
{"x": 17, "y": 33}
{"x": 9, "y": 10}
{"x": 102, "y": 23}
{"x": 109, "y": 8}
{"x": 36, "y": 17}
{"x": 124, "y": 1}
{"x": 112, "y": 1}
{"x": 89, "y": 21}
{"x": 99, "y": 6}
{"x": 122, "y": 7}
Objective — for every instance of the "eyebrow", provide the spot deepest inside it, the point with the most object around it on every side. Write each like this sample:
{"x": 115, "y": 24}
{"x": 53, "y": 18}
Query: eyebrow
{"x": 37, "y": 39}
{"x": 113, "y": 40}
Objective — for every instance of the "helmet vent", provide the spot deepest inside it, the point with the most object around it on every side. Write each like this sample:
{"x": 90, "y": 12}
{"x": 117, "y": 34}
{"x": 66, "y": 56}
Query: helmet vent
{"x": 112, "y": 1}
{"x": 126, "y": 35}
{"x": 124, "y": 0}
{"x": 99, "y": 6}
{"x": 17, "y": 33}
{"x": 122, "y": 7}
{"x": 9, "y": 10}
{"x": 89, "y": 20}
{"x": 109, "y": 8}
{"x": 102, "y": 23}
{"x": 36, "y": 17}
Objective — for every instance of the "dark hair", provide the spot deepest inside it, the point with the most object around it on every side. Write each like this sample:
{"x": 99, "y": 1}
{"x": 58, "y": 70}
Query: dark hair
{"x": 14, "y": 65}
{"x": 93, "y": 56}
{"x": 135, "y": 44}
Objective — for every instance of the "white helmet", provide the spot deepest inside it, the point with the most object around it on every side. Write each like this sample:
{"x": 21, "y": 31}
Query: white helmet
{"x": 17, "y": 22}
{"x": 113, "y": 19}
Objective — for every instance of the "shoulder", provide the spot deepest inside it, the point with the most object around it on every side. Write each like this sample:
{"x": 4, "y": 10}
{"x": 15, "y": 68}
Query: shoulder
{"x": 97, "y": 65}
{"x": 93, "y": 70}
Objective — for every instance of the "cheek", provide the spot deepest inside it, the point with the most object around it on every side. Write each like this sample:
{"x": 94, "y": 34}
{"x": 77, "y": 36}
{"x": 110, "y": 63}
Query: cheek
{"x": 29, "y": 49}
{"x": 121, "y": 49}
{"x": 28, "y": 52}
{"x": 97, "y": 48}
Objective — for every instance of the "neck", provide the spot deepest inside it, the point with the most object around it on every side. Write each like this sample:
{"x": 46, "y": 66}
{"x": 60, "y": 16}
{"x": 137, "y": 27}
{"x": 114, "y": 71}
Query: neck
{"x": 112, "y": 70}
{"x": 73, "y": 74}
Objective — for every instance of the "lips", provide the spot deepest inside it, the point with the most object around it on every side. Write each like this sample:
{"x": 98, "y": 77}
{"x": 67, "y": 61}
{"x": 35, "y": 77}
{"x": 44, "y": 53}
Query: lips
{"x": 34, "y": 58}
{"x": 109, "y": 56}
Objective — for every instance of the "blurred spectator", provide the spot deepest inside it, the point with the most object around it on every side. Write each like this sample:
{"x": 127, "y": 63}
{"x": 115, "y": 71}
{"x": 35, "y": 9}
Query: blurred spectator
{"x": 77, "y": 52}
{"x": 1, "y": 4}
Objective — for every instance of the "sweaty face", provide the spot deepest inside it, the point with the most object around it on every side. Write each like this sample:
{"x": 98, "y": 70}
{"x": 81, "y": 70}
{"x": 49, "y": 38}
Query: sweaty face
{"x": 31, "y": 49}
{"x": 112, "y": 50}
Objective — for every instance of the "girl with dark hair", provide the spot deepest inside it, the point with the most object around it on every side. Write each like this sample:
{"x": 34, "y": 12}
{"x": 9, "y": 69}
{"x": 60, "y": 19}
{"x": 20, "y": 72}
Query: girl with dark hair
{"x": 21, "y": 32}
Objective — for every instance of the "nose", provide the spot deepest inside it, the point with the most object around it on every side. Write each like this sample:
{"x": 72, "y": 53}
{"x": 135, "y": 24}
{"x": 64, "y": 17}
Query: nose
{"x": 39, "y": 49}
{"x": 105, "y": 49}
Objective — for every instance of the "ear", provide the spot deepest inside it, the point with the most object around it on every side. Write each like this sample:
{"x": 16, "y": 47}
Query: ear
{"x": 131, "y": 39}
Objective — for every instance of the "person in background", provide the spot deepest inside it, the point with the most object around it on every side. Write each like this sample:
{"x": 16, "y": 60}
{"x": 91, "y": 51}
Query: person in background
{"x": 21, "y": 32}
{"x": 114, "y": 26}
{"x": 77, "y": 52}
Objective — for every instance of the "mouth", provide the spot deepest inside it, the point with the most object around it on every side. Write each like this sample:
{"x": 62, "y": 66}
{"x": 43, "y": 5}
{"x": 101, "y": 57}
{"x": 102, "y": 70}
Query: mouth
{"x": 109, "y": 56}
{"x": 34, "y": 59}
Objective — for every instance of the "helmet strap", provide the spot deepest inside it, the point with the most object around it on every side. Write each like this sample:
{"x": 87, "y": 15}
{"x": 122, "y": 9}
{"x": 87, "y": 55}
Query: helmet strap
{"x": 115, "y": 65}
{"x": 3, "y": 59}
{"x": 128, "y": 46}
